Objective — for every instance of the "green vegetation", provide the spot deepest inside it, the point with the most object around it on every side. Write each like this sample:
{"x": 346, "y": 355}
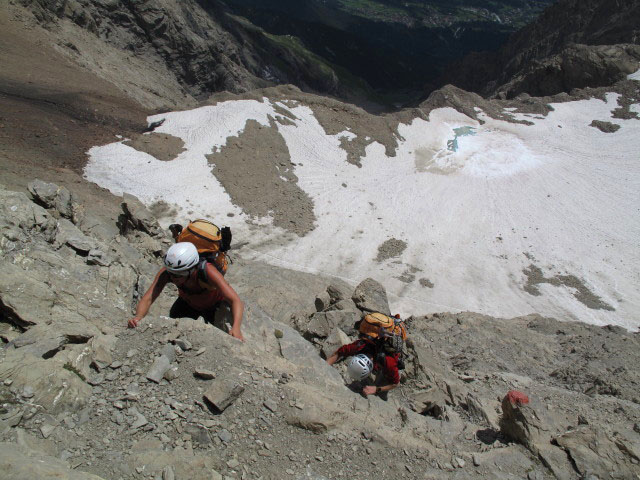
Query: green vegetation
{"x": 72, "y": 369}
{"x": 388, "y": 51}
{"x": 515, "y": 13}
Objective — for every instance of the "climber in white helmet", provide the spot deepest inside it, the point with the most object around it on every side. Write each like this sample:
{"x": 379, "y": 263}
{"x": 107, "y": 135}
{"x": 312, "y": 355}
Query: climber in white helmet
{"x": 201, "y": 289}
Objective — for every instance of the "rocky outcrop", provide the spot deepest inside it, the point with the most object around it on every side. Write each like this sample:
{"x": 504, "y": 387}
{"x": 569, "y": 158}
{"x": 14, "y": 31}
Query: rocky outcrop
{"x": 21, "y": 463}
{"x": 203, "y": 47}
{"x": 577, "y": 66}
{"x": 574, "y": 44}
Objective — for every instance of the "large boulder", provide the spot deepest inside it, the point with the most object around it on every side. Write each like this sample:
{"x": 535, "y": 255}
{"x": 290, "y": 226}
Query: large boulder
{"x": 336, "y": 339}
{"x": 308, "y": 363}
{"x": 45, "y": 341}
{"x": 533, "y": 427}
{"x": 594, "y": 451}
{"x": 53, "y": 386}
{"x": 67, "y": 233}
{"x": 19, "y": 215}
{"x": 24, "y": 300}
{"x": 138, "y": 217}
{"x": 371, "y": 296}
{"x": 21, "y": 463}
{"x": 321, "y": 324}
{"x": 51, "y": 195}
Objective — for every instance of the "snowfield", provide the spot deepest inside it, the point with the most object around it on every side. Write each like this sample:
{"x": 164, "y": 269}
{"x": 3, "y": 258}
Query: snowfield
{"x": 499, "y": 218}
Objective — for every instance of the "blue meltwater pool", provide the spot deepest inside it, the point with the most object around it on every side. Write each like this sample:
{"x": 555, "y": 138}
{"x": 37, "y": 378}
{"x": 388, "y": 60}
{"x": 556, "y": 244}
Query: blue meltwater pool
{"x": 452, "y": 145}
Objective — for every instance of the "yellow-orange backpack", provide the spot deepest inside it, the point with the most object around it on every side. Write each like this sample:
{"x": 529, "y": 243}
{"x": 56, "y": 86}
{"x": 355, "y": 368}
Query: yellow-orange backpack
{"x": 212, "y": 242}
{"x": 380, "y": 328}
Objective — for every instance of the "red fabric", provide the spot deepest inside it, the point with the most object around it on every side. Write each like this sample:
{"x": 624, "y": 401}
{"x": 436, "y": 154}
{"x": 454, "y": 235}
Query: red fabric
{"x": 390, "y": 367}
{"x": 517, "y": 398}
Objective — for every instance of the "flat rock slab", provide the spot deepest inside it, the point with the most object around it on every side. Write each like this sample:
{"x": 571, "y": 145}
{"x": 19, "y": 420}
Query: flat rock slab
{"x": 222, "y": 394}
{"x": 160, "y": 366}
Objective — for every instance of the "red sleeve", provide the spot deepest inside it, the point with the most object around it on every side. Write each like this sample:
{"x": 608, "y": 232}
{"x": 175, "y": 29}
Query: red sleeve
{"x": 351, "y": 349}
{"x": 391, "y": 369}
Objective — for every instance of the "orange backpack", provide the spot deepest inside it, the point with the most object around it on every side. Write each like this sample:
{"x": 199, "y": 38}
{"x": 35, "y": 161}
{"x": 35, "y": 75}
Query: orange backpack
{"x": 211, "y": 242}
{"x": 377, "y": 326}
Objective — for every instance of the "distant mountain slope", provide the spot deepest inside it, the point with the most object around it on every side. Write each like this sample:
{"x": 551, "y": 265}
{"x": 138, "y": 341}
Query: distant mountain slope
{"x": 542, "y": 58}
{"x": 396, "y": 47}
{"x": 204, "y": 48}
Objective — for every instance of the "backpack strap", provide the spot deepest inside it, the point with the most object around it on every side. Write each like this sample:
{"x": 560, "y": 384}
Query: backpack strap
{"x": 202, "y": 271}
{"x": 202, "y": 266}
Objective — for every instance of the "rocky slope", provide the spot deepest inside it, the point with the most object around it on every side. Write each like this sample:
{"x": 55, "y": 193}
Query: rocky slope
{"x": 189, "y": 49}
{"x": 83, "y": 397}
{"x": 181, "y": 399}
{"x": 574, "y": 44}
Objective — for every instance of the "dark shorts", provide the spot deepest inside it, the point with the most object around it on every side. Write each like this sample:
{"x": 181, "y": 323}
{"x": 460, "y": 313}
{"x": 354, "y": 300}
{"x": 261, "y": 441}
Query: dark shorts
{"x": 216, "y": 315}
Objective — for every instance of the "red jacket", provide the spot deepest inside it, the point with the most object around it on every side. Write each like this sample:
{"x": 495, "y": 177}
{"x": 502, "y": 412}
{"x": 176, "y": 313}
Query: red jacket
{"x": 390, "y": 367}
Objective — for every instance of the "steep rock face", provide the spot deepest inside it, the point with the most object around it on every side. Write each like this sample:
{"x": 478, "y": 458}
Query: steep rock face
{"x": 565, "y": 48}
{"x": 204, "y": 47}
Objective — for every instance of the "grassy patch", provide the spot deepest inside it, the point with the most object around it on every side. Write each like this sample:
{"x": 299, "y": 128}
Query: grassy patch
{"x": 72, "y": 369}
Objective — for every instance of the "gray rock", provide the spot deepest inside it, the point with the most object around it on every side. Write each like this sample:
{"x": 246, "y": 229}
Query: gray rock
{"x": 301, "y": 353}
{"x": 344, "y": 304}
{"x": 139, "y": 420}
{"x": 371, "y": 296}
{"x": 43, "y": 192}
{"x": 339, "y": 291}
{"x": 55, "y": 388}
{"x": 19, "y": 213}
{"x": 47, "y": 430}
{"x": 481, "y": 411}
{"x": 98, "y": 257}
{"x": 321, "y": 324}
{"x": 271, "y": 405}
{"x": 184, "y": 344}
{"x": 530, "y": 425}
{"x": 160, "y": 366}
{"x": 171, "y": 374}
{"x": 593, "y": 451}
{"x": 336, "y": 339}
{"x": 169, "y": 351}
{"x": 21, "y": 463}
{"x": 204, "y": 373}
{"x": 138, "y": 217}
{"x": 323, "y": 300}
{"x": 102, "y": 347}
{"x": 311, "y": 418}
{"x": 27, "y": 300}
{"x": 46, "y": 340}
{"x": 223, "y": 393}
{"x": 224, "y": 435}
{"x": 432, "y": 402}
{"x": 67, "y": 233}
{"x": 168, "y": 473}
{"x": 51, "y": 195}
{"x": 198, "y": 433}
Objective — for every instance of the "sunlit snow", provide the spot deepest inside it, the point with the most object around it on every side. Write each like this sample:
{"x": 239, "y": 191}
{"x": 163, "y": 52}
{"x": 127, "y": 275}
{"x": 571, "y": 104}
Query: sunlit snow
{"x": 559, "y": 195}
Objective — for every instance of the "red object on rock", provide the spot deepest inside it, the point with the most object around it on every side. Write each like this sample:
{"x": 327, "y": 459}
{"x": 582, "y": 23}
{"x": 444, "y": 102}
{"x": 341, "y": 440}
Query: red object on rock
{"x": 517, "y": 398}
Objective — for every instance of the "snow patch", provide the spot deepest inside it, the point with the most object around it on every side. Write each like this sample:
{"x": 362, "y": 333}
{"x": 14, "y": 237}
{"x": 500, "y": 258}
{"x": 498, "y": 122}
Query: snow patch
{"x": 556, "y": 194}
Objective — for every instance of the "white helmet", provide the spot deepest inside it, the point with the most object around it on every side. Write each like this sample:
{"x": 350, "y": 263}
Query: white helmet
{"x": 181, "y": 258}
{"x": 359, "y": 367}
